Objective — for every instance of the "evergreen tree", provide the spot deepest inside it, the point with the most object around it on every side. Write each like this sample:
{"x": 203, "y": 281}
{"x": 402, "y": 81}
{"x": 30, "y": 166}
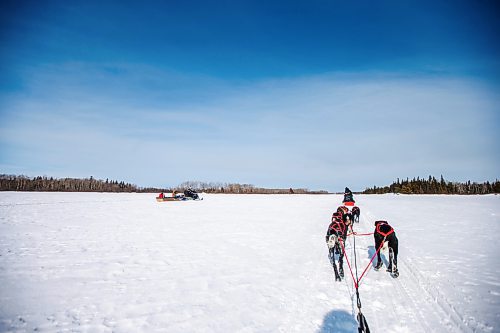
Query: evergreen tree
{"x": 433, "y": 186}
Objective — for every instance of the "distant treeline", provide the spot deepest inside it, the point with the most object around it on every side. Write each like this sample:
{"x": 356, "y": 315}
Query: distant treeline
{"x": 241, "y": 188}
{"x": 46, "y": 184}
{"x": 434, "y": 186}
{"x": 50, "y": 184}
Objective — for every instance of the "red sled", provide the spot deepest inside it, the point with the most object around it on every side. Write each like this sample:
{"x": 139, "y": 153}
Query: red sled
{"x": 348, "y": 203}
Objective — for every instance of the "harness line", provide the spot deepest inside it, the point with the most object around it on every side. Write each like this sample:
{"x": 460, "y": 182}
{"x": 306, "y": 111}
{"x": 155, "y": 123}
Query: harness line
{"x": 363, "y": 325}
{"x": 354, "y": 233}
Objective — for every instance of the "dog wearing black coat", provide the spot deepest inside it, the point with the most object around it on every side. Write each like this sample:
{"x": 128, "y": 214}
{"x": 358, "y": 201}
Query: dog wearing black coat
{"x": 336, "y": 233}
{"x": 355, "y": 214}
{"x": 385, "y": 233}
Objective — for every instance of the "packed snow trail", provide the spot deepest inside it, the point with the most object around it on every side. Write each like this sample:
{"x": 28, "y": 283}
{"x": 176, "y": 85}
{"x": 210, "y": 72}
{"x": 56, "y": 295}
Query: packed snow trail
{"x": 404, "y": 302}
{"x": 429, "y": 295}
{"x": 96, "y": 262}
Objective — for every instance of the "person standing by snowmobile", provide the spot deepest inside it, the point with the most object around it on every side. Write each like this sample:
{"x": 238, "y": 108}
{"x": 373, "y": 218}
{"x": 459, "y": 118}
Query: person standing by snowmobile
{"x": 385, "y": 233}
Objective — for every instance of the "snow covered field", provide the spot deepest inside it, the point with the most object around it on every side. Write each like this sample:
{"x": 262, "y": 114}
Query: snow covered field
{"x": 94, "y": 262}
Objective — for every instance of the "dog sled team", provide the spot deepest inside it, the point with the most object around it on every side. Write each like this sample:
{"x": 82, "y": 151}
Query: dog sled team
{"x": 341, "y": 227}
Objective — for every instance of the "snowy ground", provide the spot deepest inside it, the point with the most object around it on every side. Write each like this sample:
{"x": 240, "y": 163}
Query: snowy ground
{"x": 88, "y": 262}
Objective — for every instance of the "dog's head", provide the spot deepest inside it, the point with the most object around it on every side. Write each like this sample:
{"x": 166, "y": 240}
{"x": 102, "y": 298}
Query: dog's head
{"x": 347, "y": 218}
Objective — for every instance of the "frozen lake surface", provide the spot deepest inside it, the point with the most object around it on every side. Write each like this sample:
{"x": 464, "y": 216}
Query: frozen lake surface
{"x": 99, "y": 262}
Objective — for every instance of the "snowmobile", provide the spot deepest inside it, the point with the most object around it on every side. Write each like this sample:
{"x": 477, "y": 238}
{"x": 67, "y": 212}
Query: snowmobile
{"x": 188, "y": 194}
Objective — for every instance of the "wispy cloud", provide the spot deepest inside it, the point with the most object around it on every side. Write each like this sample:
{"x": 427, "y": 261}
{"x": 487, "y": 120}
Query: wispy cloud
{"x": 157, "y": 127}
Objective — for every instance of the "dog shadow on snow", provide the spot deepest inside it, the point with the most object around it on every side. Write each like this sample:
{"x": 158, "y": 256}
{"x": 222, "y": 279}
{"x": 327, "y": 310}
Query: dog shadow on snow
{"x": 339, "y": 321}
{"x": 371, "y": 253}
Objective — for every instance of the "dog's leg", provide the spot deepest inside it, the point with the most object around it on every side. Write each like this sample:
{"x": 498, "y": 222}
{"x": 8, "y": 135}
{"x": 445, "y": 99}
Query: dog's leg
{"x": 341, "y": 265}
{"x": 337, "y": 276}
{"x": 391, "y": 255}
{"x": 378, "y": 242}
{"x": 331, "y": 256}
{"x": 393, "y": 268}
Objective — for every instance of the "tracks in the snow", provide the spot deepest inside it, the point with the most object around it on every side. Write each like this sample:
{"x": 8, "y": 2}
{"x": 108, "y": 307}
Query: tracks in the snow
{"x": 419, "y": 297}
{"x": 430, "y": 296}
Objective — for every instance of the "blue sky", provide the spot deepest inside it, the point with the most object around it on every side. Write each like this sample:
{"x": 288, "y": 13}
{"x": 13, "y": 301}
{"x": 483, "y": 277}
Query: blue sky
{"x": 316, "y": 94}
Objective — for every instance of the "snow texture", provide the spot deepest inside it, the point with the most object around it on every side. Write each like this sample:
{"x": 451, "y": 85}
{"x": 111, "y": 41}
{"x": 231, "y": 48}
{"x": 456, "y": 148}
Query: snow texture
{"x": 97, "y": 262}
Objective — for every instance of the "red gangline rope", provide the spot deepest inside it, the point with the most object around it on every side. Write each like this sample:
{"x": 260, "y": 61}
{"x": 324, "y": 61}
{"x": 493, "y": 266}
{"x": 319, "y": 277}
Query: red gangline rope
{"x": 358, "y": 234}
{"x": 373, "y": 257}
{"x": 356, "y": 283}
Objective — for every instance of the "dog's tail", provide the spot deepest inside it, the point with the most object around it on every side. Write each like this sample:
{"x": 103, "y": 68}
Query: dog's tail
{"x": 331, "y": 241}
